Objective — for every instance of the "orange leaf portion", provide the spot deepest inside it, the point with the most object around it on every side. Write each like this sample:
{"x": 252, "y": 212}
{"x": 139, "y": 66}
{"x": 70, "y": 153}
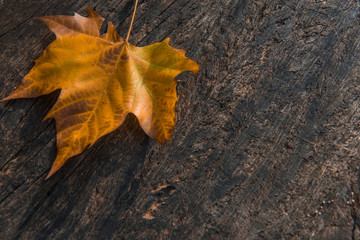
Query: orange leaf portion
{"x": 102, "y": 79}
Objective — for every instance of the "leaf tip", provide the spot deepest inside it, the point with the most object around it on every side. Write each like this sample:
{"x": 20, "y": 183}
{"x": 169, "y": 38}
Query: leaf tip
{"x": 167, "y": 40}
{"x": 42, "y": 19}
{"x": 93, "y": 14}
{"x": 10, "y": 97}
{"x": 112, "y": 34}
{"x": 46, "y": 117}
{"x": 52, "y": 171}
{"x": 196, "y": 69}
{"x": 58, "y": 163}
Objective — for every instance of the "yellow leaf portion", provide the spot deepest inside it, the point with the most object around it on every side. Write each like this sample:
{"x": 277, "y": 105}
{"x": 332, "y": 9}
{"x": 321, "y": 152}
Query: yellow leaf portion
{"x": 102, "y": 79}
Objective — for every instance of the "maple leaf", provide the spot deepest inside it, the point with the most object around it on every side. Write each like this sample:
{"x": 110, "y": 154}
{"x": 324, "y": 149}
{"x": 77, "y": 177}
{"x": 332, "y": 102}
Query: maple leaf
{"x": 102, "y": 79}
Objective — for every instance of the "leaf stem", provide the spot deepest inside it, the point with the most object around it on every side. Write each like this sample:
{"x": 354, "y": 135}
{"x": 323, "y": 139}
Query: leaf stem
{"x": 132, "y": 20}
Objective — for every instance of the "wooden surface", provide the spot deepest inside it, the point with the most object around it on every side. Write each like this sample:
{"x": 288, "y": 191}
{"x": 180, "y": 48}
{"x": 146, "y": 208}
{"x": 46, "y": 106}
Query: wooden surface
{"x": 266, "y": 144}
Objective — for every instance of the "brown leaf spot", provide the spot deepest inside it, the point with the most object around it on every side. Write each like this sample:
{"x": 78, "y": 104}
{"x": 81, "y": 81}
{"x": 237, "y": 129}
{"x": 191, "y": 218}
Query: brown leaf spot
{"x": 125, "y": 57}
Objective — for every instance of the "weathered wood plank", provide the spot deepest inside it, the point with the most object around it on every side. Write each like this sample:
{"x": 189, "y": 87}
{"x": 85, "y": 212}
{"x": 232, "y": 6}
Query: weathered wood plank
{"x": 265, "y": 146}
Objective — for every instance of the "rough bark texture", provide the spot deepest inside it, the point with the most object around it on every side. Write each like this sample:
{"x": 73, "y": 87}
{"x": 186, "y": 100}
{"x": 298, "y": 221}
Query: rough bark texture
{"x": 266, "y": 144}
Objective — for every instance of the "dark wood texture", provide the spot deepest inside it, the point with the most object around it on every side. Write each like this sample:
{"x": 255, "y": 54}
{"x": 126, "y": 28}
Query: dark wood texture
{"x": 266, "y": 144}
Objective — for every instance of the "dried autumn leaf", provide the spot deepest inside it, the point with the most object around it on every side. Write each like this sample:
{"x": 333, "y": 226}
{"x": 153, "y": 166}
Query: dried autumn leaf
{"x": 102, "y": 79}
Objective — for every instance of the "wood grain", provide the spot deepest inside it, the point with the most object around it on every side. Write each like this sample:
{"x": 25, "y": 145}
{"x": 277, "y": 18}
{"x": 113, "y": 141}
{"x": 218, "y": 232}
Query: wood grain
{"x": 267, "y": 135}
